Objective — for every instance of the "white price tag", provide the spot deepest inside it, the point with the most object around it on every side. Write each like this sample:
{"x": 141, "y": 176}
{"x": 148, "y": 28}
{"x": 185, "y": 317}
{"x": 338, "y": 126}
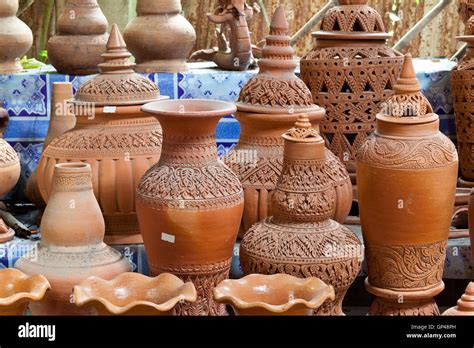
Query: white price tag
{"x": 110, "y": 109}
{"x": 168, "y": 238}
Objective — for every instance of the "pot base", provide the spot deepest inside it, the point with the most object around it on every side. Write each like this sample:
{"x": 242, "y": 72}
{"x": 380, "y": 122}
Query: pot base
{"x": 166, "y": 65}
{"x": 463, "y": 183}
{"x": 10, "y": 67}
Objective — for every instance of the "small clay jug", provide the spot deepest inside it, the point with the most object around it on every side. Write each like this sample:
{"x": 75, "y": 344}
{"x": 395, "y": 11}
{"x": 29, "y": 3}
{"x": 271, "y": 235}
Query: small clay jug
{"x": 9, "y": 160}
{"x": 465, "y": 305}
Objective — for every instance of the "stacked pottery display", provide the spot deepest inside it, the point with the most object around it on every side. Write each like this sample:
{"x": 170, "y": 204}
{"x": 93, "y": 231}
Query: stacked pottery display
{"x": 190, "y": 204}
{"x": 300, "y": 238}
{"x": 406, "y": 176}
{"x": 268, "y": 105}
{"x": 72, "y": 247}
{"x": 113, "y": 136}
{"x": 350, "y": 72}
{"x": 80, "y": 40}
{"x": 159, "y": 37}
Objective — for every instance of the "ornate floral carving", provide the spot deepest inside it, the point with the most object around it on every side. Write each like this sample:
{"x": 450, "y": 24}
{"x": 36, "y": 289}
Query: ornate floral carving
{"x": 8, "y": 155}
{"x": 381, "y": 306}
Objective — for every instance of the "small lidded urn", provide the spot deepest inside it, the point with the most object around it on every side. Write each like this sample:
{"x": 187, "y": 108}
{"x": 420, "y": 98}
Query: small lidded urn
{"x": 465, "y": 305}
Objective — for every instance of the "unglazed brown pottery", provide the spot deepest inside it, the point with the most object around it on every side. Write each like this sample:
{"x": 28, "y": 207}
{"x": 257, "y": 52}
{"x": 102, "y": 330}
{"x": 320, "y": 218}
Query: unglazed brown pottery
{"x": 190, "y": 204}
{"x": 72, "y": 247}
{"x": 300, "y": 238}
{"x": 471, "y": 221}
{"x": 350, "y": 72}
{"x": 160, "y": 38}
{"x": 466, "y": 9}
{"x": 9, "y": 160}
{"x": 268, "y": 105}
{"x": 111, "y": 134}
{"x": 80, "y": 40}
{"x": 465, "y": 305}
{"x": 6, "y": 233}
{"x": 278, "y": 294}
{"x": 17, "y": 290}
{"x": 406, "y": 176}
{"x": 134, "y": 294}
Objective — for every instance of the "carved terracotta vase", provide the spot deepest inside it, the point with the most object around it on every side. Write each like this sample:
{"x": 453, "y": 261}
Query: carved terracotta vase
{"x": 111, "y": 134}
{"x": 300, "y": 238}
{"x": 80, "y": 39}
{"x": 269, "y": 104}
{"x": 159, "y": 37}
{"x": 465, "y": 305}
{"x": 16, "y": 38}
{"x": 350, "y": 72}
{"x": 190, "y": 204}
{"x": 406, "y": 175}
{"x": 72, "y": 247}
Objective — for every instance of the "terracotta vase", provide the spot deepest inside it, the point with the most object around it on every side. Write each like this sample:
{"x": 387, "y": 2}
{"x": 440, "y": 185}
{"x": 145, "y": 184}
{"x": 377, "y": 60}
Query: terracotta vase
{"x": 72, "y": 247}
{"x": 278, "y": 294}
{"x": 350, "y": 72}
{"x": 268, "y": 105}
{"x": 300, "y": 238}
{"x": 9, "y": 160}
{"x": 111, "y": 134}
{"x": 134, "y": 294}
{"x": 16, "y": 38}
{"x": 406, "y": 176}
{"x": 80, "y": 39}
{"x": 159, "y": 37}
{"x": 465, "y": 305}
{"x": 190, "y": 204}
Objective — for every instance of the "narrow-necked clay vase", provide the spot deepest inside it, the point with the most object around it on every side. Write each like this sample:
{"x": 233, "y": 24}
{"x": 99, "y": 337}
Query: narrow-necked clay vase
{"x": 159, "y": 37}
{"x": 17, "y": 290}
{"x": 190, "y": 204}
{"x": 16, "y": 38}
{"x": 111, "y": 134}
{"x": 80, "y": 39}
{"x": 465, "y": 305}
{"x": 406, "y": 176}
{"x": 269, "y": 104}
{"x": 9, "y": 160}
{"x": 300, "y": 238}
{"x": 278, "y": 294}
{"x": 134, "y": 294}
{"x": 72, "y": 247}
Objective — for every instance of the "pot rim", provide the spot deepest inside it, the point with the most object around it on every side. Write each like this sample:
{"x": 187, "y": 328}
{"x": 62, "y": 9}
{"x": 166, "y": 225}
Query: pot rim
{"x": 38, "y": 284}
{"x": 177, "y": 107}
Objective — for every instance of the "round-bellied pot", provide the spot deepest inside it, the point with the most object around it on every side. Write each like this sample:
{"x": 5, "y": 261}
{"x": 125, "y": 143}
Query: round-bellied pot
{"x": 190, "y": 204}
{"x": 406, "y": 176}
{"x": 9, "y": 160}
{"x": 465, "y": 305}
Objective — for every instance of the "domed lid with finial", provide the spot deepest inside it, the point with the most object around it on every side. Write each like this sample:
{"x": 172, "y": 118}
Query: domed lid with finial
{"x": 303, "y": 132}
{"x": 465, "y": 305}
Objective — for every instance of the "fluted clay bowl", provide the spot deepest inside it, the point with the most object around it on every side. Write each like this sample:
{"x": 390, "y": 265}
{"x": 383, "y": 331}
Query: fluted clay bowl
{"x": 134, "y": 294}
{"x": 17, "y": 290}
{"x": 278, "y": 294}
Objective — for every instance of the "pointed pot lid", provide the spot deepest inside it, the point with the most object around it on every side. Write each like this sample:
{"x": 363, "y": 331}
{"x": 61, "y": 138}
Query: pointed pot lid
{"x": 276, "y": 88}
{"x": 303, "y": 132}
{"x": 466, "y": 302}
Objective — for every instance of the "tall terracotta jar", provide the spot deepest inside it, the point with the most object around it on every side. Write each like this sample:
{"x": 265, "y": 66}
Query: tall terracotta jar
{"x": 159, "y": 37}
{"x": 406, "y": 175}
{"x": 72, "y": 247}
{"x": 9, "y": 160}
{"x": 268, "y": 105}
{"x": 300, "y": 238}
{"x": 80, "y": 40}
{"x": 111, "y": 134}
{"x": 16, "y": 38}
{"x": 190, "y": 204}
{"x": 350, "y": 72}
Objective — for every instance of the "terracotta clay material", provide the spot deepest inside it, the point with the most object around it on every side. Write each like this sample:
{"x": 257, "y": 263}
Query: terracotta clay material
{"x": 80, "y": 40}
{"x": 72, "y": 247}
{"x": 471, "y": 221}
{"x": 406, "y": 177}
{"x": 190, "y": 204}
{"x": 278, "y": 294}
{"x": 466, "y": 9}
{"x": 6, "y": 233}
{"x": 465, "y": 305}
{"x": 134, "y": 294}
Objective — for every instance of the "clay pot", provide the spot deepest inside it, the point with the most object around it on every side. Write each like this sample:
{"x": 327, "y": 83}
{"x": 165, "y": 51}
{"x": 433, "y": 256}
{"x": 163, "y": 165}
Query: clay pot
{"x": 471, "y": 221}
{"x": 466, "y": 9}
{"x": 269, "y": 104}
{"x": 16, "y": 38}
{"x": 190, "y": 204}
{"x": 69, "y": 252}
{"x": 80, "y": 40}
{"x": 17, "y": 290}
{"x": 9, "y": 160}
{"x": 406, "y": 176}
{"x": 300, "y": 238}
{"x": 111, "y": 134}
{"x": 350, "y": 72}
{"x": 278, "y": 294}
{"x": 465, "y": 305}
{"x": 160, "y": 38}
{"x": 6, "y": 233}
{"x": 134, "y": 294}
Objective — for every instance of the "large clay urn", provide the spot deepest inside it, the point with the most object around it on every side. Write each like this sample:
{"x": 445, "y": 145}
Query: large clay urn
{"x": 111, "y": 134}
{"x": 406, "y": 176}
{"x": 80, "y": 39}
{"x": 268, "y": 105}
{"x": 350, "y": 72}
{"x": 190, "y": 204}
{"x": 159, "y": 37}
{"x": 72, "y": 247}
{"x": 9, "y": 160}
{"x": 16, "y": 38}
{"x": 300, "y": 239}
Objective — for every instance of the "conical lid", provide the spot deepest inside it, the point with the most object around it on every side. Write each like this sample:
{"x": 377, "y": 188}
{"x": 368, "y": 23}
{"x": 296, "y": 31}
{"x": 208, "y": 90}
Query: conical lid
{"x": 465, "y": 305}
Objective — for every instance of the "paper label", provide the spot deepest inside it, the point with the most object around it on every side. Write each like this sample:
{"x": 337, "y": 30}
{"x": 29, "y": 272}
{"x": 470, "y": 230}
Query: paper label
{"x": 110, "y": 109}
{"x": 168, "y": 238}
